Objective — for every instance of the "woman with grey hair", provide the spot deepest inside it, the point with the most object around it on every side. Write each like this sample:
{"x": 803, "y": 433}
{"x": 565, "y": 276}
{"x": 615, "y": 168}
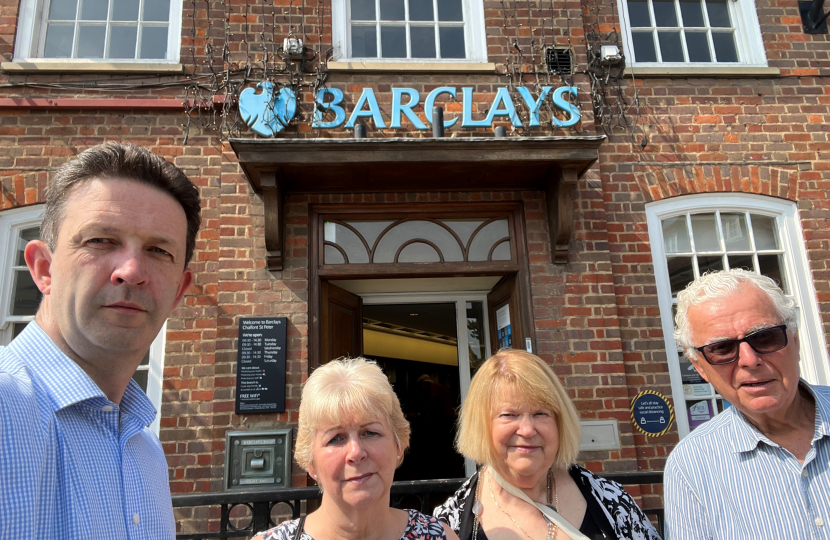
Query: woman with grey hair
{"x": 351, "y": 437}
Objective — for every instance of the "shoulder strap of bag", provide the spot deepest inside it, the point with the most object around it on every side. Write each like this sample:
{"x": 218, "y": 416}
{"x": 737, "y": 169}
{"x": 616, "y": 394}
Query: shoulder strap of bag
{"x": 551, "y": 514}
{"x": 299, "y": 533}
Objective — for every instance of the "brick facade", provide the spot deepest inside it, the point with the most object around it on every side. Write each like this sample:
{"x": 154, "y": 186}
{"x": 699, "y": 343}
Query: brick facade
{"x": 597, "y": 319}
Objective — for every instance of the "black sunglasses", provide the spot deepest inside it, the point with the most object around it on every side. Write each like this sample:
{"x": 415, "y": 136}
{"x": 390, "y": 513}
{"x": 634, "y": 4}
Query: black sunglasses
{"x": 763, "y": 341}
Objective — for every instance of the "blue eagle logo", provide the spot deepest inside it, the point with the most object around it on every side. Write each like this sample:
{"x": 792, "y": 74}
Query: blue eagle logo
{"x": 264, "y": 112}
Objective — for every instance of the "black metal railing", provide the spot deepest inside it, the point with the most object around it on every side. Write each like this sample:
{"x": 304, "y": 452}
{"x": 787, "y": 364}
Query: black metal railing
{"x": 260, "y": 515}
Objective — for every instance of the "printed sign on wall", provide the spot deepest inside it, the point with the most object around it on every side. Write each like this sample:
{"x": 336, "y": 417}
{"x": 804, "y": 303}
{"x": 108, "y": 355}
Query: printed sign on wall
{"x": 651, "y": 413}
{"x": 260, "y": 365}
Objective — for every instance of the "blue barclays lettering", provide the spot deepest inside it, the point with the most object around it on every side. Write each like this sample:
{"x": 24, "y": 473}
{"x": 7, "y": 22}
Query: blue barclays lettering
{"x": 267, "y": 115}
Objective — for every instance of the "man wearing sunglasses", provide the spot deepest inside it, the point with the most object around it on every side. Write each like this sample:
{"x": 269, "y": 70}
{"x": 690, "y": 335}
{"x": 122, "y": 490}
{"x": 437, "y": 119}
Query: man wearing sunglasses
{"x": 759, "y": 469}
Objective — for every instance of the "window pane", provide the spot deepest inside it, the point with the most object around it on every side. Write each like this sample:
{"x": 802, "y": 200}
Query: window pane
{"x": 423, "y": 41}
{"x": 724, "y": 47}
{"x": 676, "y": 236}
{"x": 680, "y": 273}
{"x": 122, "y": 41}
{"x": 393, "y": 41}
{"x": 33, "y": 233}
{"x": 392, "y": 10}
{"x": 638, "y": 13}
{"x": 452, "y": 42}
{"x": 718, "y": 13}
{"x": 419, "y": 253}
{"x": 333, "y": 256}
{"x": 17, "y": 328}
{"x": 771, "y": 266}
{"x": 124, "y": 10}
{"x": 363, "y": 10}
{"x": 644, "y": 47}
{"x": 706, "y": 232}
{"x": 156, "y": 10}
{"x": 763, "y": 228}
{"x": 94, "y": 10}
{"x": 487, "y": 237}
{"x": 475, "y": 335}
{"x": 670, "y": 48}
{"x": 25, "y": 294}
{"x": 364, "y": 43}
{"x": 63, "y": 10}
{"x": 421, "y": 10}
{"x": 91, "y": 41}
{"x": 450, "y": 10}
{"x": 698, "y": 47}
{"x": 692, "y": 13}
{"x": 664, "y": 13}
{"x": 59, "y": 41}
{"x": 140, "y": 377}
{"x": 734, "y": 232}
{"x": 741, "y": 261}
{"x": 154, "y": 42}
{"x": 709, "y": 264}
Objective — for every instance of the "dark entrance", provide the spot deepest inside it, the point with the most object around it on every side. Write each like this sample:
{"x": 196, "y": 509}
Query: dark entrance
{"x": 418, "y": 352}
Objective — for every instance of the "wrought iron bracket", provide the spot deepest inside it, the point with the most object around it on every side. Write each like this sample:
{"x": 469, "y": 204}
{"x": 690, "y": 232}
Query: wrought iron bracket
{"x": 274, "y": 220}
{"x": 560, "y": 212}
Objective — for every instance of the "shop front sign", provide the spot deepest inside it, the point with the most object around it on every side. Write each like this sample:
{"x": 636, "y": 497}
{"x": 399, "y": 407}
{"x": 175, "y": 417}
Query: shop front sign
{"x": 268, "y": 114}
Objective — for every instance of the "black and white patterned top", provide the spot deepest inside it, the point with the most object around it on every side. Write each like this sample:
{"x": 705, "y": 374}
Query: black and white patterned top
{"x": 612, "y": 509}
{"x": 420, "y": 527}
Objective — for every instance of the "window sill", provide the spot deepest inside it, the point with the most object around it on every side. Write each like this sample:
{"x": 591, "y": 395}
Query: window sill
{"x": 413, "y": 66}
{"x": 91, "y": 67}
{"x": 703, "y": 71}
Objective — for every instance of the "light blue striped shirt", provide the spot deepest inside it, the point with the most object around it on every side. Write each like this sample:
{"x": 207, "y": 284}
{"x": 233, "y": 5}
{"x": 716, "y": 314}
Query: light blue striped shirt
{"x": 728, "y": 481}
{"x": 68, "y": 470}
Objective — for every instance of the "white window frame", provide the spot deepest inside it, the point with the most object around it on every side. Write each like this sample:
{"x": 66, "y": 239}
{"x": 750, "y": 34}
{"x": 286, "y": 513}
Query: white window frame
{"x": 749, "y": 43}
{"x": 475, "y": 38}
{"x": 11, "y": 223}
{"x": 31, "y": 32}
{"x": 815, "y": 367}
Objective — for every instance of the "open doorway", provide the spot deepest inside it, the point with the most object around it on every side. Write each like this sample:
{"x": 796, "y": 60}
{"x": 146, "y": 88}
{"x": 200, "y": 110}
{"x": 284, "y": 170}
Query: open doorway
{"x": 429, "y": 335}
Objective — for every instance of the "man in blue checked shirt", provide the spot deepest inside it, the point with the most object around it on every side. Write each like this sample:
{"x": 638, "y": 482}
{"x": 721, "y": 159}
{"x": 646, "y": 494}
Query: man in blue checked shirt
{"x": 77, "y": 460}
{"x": 760, "y": 469}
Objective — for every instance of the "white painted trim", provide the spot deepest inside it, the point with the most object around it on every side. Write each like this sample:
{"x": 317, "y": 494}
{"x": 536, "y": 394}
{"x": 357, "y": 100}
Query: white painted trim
{"x": 749, "y": 42}
{"x": 11, "y": 222}
{"x": 815, "y": 366}
{"x": 155, "y": 375}
{"x": 475, "y": 40}
{"x": 29, "y": 38}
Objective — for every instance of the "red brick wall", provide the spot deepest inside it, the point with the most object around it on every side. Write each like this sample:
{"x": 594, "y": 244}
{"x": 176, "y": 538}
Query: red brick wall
{"x": 597, "y": 319}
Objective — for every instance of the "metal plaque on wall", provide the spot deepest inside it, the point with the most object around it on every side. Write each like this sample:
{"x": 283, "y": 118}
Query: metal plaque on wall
{"x": 260, "y": 365}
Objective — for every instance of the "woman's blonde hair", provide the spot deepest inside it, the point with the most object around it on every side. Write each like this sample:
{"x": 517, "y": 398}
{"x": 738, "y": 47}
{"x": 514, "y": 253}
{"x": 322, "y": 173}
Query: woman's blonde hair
{"x": 532, "y": 379}
{"x": 341, "y": 391}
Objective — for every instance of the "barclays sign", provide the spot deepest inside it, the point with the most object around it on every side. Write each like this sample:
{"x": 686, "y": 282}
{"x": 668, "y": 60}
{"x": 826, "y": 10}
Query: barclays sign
{"x": 268, "y": 114}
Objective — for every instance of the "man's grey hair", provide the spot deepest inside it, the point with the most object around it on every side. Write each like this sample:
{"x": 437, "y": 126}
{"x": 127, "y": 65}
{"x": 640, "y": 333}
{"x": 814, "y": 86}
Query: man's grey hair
{"x": 718, "y": 285}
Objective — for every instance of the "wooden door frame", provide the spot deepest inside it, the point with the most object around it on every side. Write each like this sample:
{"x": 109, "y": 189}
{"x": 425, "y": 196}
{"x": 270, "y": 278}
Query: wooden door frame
{"x": 514, "y": 210}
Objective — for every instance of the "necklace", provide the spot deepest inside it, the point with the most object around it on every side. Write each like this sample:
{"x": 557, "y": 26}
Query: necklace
{"x": 552, "y": 527}
{"x": 477, "y": 506}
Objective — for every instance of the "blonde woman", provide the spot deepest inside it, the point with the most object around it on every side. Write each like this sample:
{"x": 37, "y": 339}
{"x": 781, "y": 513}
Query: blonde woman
{"x": 351, "y": 438}
{"x": 519, "y": 425}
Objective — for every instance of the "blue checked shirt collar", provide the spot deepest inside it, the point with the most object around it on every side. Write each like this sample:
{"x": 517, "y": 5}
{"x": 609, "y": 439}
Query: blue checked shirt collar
{"x": 65, "y": 383}
{"x": 745, "y": 436}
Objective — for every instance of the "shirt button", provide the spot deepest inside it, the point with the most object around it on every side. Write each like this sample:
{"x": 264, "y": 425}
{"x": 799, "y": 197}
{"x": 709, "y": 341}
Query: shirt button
{"x": 804, "y": 473}
{"x": 136, "y": 520}
{"x": 107, "y": 408}
{"x": 819, "y": 522}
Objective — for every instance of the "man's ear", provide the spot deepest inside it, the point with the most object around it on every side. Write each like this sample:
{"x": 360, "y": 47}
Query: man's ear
{"x": 39, "y": 260}
{"x": 184, "y": 283}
